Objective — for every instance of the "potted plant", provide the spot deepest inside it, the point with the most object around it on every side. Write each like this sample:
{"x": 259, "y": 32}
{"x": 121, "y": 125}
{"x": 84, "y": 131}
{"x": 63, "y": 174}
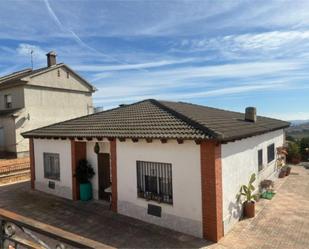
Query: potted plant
{"x": 283, "y": 171}
{"x": 288, "y": 170}
{"x": 250, "y": 198}
{"x": 84, "y": 173}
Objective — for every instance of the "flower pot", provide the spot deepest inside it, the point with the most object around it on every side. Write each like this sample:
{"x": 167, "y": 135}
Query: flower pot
{"x": 288, "y": 171}
{"x": 282, "y": 173}
{"x": 249, "y": 209}
{"x": 85, "y": 191}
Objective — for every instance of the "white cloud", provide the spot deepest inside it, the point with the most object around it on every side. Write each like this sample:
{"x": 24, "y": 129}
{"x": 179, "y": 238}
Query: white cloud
{"x": 262, "y": 44}
{"x": 99, "y": 68}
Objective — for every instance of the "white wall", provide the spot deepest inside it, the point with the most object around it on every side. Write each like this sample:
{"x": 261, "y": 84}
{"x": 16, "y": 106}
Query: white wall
{"x": 17, "y": 94}
{"x": 92, "y": 158}
{"x": 63, "y": 187}
{"x": 239, "y": 161}
{"x": 185, "y": 214}
{"x": 48, "y": 106}
{"x": 9, "y": 137}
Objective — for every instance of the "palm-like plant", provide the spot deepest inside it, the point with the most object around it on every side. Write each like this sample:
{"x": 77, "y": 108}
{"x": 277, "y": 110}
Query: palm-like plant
{"x": 247, "y": 190}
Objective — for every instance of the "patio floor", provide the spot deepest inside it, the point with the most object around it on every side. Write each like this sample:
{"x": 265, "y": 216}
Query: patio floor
{"x": 92, "y": 220}
{"x": 282, "y": 222}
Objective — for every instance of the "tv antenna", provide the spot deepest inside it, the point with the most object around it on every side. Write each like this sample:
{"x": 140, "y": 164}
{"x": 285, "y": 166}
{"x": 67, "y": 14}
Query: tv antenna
{"x": 31, "y": 56}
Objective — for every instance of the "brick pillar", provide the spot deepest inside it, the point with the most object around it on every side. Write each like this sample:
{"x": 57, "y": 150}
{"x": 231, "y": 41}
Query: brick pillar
{"x": 32, "y": 163}
{"x": 113, "y": 154}
{"x": 211, "y": 175}
{"x": 78, "y": 152}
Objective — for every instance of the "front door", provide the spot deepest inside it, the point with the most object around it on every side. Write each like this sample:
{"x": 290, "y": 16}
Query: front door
{"x": 104, "y": 175}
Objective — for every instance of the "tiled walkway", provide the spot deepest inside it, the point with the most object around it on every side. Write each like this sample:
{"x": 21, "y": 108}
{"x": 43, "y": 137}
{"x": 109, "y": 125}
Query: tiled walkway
{"x": 281, "y": 223}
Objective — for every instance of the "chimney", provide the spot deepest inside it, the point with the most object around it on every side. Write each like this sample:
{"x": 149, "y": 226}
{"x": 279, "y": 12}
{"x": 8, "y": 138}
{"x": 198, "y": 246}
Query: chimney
{"x": 250, "y": 114}
{"x": 51, "y": 58}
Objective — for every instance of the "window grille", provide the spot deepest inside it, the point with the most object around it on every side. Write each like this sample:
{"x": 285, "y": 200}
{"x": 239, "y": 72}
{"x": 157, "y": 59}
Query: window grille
{"x": 154, "y": 181}
{"x": 260, "y": 159}
{"x": 270, "y": 153}
{"x": 51, "y": 166}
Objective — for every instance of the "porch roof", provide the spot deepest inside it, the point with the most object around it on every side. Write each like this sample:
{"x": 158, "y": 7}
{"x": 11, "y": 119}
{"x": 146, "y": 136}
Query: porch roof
{"x": 161, "y": 120}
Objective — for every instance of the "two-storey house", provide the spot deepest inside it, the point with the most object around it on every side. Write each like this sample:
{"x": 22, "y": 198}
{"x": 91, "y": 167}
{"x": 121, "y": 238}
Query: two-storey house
{"x": 30, "y": 99}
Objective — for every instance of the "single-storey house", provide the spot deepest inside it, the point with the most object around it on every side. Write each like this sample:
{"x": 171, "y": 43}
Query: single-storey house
{"x": 174, "y": 164}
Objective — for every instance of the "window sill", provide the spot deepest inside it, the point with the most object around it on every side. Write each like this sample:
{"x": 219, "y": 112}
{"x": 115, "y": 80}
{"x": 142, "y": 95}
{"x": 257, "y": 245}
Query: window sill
{"x": 155, "y": 201}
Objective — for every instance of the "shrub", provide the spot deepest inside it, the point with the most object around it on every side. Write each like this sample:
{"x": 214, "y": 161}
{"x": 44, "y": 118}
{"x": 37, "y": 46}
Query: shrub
{"x": 304, "y": 148}
{"x": 294, "y": 155}
{"x": 84, "y": 171}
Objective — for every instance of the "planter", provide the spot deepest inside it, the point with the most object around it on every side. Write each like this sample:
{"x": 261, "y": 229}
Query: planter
{"x": 85, "y": 191}
{"x": 282, "y": 173}
{"x": 267, "y": 195}
{"x": 288, "y": 171}
{"x": 249, "y": 209}
{"x": 295, "y": 160}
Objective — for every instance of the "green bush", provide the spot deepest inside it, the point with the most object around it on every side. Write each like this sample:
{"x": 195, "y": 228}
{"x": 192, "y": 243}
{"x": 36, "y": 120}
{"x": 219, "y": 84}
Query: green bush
{"x": 303, "y": 148}
{"x": 84, "y": 171}
{"x": 294, "y": 155}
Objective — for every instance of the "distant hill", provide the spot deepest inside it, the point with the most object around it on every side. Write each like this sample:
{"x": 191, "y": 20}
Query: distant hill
{"x": 298, "y": 129}
{"x": 298, "y": 122}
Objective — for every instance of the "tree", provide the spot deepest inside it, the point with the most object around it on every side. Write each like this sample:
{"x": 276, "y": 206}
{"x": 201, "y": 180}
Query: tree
{"x": 304, "y": 148}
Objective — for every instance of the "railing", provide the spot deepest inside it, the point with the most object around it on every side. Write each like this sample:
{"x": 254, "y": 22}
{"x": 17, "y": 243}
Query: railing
{"x": 17, "y": 231}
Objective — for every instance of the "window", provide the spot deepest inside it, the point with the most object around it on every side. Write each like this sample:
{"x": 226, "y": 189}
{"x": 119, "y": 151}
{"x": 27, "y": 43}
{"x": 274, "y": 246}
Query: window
{"x": 51, "y": 166}
{"x": 8, "y": 100}
{"x": 58, "y": 73}
{"x": 270, "y": 153}
{"x": 154, "y": 181}
{"x": 68, "y": 75}
{"x": 260, "y": 159}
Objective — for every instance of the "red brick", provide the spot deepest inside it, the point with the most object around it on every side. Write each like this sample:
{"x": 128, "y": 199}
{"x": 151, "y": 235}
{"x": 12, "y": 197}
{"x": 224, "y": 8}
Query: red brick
{"x": 211, "y": 177}
{"x": 113, "y": 153}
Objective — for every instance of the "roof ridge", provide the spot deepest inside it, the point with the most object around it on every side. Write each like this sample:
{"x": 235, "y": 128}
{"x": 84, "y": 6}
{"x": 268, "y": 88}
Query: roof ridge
{"x": 187, "y": 119}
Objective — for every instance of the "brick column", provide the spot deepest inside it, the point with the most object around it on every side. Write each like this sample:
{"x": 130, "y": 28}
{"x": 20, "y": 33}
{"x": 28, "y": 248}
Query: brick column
{"x": 113, "y": 154}
{"x": 211, "y": 175}
{"x": 32, "y": 163}
{"x": 78, "y": 152}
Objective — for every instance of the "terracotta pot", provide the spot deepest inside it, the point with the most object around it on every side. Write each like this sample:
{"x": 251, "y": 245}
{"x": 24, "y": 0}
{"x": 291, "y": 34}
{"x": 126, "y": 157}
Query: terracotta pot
{"x": 282, "y": 174}
{"x": 295, "y": 160}
{"x": 288, "y": 171}
{"x": 249, "y": 209}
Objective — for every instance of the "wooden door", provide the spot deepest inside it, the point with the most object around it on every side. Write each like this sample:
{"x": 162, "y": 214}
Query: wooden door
{"x": 103, "y": 175}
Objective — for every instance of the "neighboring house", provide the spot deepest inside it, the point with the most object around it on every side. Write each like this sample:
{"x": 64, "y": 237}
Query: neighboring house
{"x": 34, "y": 98}
{"x": 174, "y": 164}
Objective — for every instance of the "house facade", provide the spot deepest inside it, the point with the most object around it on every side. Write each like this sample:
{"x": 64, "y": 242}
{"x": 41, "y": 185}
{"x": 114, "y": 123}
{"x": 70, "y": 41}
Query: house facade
{"x": 30, "y": 99}
{"x": 176, "y": 165}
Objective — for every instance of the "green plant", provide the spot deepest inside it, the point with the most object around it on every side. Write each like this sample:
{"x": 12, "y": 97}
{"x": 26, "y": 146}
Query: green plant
{"x": 84, "y": 171}
{"x": 247, "y": 190}
{"x": 304, "y": 148}
{"x": 293, "y": 152}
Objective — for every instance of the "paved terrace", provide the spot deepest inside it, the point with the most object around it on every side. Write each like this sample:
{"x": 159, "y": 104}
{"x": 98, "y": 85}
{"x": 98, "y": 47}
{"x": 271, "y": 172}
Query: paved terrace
{"x": 282, "y": 222}
{"x": 92, "y": 220}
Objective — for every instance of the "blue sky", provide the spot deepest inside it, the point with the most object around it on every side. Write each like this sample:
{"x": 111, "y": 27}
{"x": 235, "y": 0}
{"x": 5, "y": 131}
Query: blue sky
{"x": 226, "y": 54}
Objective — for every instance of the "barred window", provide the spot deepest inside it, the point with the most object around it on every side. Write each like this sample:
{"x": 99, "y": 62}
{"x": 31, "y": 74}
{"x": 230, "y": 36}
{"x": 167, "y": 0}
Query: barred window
{"x": 270, "y": 153}
{"x": 51, "y": 166}
{"x": 260, "y": 159}
{"x": 154, "y": 181}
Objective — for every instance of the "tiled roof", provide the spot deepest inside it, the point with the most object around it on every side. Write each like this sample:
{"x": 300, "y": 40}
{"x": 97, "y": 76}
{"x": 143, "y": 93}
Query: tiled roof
{"x": 19, "y": 75}
{"x": 28, "y": 72}
{"x": 161, "y": 119}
